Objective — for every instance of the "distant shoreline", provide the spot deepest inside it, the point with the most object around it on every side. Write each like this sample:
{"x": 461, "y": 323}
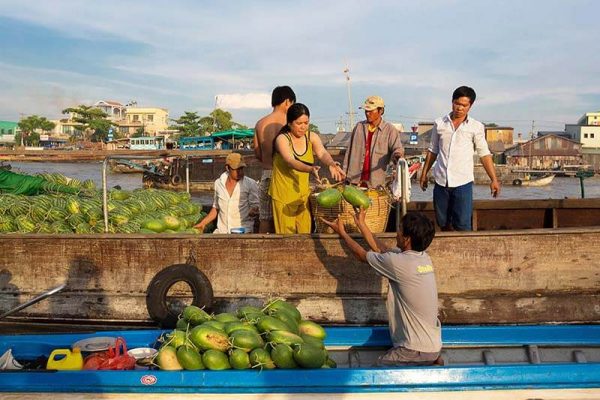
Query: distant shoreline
{"x": 97, "y": 155}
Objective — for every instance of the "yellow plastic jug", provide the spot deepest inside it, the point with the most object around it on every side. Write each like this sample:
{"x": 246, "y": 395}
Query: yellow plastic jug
{"x": 72, "y": 360}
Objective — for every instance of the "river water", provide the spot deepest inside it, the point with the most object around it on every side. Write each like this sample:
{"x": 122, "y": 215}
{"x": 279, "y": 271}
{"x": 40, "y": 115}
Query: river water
{"x": 560, "y": 188}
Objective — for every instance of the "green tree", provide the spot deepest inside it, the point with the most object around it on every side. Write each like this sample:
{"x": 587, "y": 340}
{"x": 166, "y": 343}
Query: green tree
{"x": 313, "y": 128}
{"x": 188, "y": 124}
{"x": 29, "y": 126}
{"x": 491, "y": 125}
{"x": 219, "y": 120}
{"x": 94, "y": 122}
{"x": 139, "y": 132}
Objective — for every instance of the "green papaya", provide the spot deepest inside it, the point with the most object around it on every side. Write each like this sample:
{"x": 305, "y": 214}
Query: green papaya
{"x": 329, "y": 198}
{"x": 356, "y": 197}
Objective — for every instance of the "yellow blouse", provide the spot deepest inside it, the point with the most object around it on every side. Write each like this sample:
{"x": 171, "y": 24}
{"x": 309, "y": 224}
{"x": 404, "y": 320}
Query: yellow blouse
{"x": 287, "y": 184}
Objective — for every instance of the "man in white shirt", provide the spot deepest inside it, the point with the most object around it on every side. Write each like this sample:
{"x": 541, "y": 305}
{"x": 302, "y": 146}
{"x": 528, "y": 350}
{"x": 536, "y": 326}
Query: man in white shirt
{"x": 454, "y": 138}
{"x": 236, "y": 199}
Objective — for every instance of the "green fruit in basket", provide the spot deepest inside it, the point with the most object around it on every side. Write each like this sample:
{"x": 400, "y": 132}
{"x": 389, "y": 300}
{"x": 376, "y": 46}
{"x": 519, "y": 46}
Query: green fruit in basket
{"x": 329, "y": 198}
{"x": 356, "y": 197}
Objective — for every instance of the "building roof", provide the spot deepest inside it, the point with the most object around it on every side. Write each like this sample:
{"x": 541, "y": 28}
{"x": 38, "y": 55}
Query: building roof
{"x": 526, "y": 149}
{"x": 110, "y": 102}
{"x": 8, "y": 124}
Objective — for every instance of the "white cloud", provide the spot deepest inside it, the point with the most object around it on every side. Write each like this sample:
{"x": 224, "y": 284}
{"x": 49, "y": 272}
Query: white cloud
{"x": 240, "y": 101}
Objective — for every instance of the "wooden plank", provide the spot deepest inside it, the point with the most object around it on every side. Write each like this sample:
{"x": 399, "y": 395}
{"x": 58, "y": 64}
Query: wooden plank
{"x": 521, "y": 276}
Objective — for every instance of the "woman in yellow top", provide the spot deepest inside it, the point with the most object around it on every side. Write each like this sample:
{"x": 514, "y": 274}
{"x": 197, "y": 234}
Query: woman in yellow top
{"x": 293, "y": 161}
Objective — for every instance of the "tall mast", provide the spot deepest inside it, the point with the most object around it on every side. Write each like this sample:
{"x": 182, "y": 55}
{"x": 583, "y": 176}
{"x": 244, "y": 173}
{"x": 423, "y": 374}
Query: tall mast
{"x": 350, "y": 108}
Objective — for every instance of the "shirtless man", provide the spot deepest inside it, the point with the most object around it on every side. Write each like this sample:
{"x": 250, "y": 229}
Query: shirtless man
{"x": 265, "y": 131}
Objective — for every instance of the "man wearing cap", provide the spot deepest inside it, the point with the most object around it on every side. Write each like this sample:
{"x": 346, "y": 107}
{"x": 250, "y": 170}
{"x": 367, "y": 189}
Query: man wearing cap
{"x": 373, "y": 144}
{"x": 235, "y": 201}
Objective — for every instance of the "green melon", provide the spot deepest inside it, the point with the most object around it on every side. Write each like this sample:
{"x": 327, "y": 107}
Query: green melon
{"x": 189, "y": 358}
{"x": 166, "y": 359}
{"x": 215, "y": 360}
{"x": 284, "y": 337}
{"x": 239, "y": 359}
{"x": 154, "y": 224}
{"x": 239, "y": 325}
{"x": 260, "y": 358}
{"x": 283, "y": 356}
{"x": 246, "y": 340}
{"x": 309, "y": 356}
{"x": 282, "y": 305}
{"x": 226, "y": 317}
{"x": 268, "y": 323}
{"x": 329, "y": 198}
{"x": 356, "y": 197}
{"x": 209, "y": 338}
{"x": 310, "y": 328}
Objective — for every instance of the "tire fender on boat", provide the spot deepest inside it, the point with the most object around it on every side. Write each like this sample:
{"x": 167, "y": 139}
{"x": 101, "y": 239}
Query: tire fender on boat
{"x": 176, "y": 179}
{"x": 517, "y": 182}
{"x": 156, "y": 295}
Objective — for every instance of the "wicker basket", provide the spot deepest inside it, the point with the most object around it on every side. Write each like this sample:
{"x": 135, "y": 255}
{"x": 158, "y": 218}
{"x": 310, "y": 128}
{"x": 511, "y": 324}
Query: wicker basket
{"x": 376, "y": 216}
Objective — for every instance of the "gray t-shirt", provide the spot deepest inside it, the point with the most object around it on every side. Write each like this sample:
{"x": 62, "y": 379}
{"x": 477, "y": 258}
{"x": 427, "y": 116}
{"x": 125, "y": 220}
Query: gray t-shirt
{"x": 412, "y": 301}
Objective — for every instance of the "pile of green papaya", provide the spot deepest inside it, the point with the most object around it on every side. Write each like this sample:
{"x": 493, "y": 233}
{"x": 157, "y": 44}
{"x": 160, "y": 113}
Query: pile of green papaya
{"x": 274, "y": 336}
{"x": 355, "y": 196}
{"x": 145, "y": 211}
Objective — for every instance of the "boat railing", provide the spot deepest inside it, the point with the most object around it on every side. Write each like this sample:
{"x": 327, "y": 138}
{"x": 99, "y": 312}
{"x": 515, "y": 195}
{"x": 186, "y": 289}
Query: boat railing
{"x": 127, "y": 158}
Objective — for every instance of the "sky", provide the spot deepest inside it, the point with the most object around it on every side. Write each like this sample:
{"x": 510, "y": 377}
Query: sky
{"x": 531, "y": 62}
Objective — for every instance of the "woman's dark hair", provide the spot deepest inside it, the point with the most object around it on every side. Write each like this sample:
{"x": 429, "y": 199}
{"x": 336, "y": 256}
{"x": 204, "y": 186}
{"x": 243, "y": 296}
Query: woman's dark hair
{"x": 419, "y": 229}
{"x": 295, "y": 111}
{"x": 281, "y": 94}
{"x": 464, "y": 91}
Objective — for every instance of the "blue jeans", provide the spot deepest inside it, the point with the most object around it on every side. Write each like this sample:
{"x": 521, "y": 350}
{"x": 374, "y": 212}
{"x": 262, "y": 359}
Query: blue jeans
{"x": 453, "y": 206}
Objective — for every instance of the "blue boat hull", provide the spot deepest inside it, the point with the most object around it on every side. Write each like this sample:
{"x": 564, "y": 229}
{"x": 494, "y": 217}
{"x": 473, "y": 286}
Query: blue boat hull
{"x": 562, "y": 376}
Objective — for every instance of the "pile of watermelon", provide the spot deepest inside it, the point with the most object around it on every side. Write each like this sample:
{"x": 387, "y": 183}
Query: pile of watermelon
{"x": 274, "y": 336}
{"x": 137, "y": 211}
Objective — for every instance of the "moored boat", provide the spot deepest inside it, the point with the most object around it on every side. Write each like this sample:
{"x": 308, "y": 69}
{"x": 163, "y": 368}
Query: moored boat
{"x": 534, "y": 181}
{"x": 495, "y": 362}
{"x": 483, "y": 277}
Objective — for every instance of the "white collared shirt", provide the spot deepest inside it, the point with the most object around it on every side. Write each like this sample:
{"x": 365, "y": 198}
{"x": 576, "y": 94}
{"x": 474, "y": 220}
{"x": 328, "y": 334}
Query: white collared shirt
{"x": 455, "y": 149}
{"x": 233, "y": 210}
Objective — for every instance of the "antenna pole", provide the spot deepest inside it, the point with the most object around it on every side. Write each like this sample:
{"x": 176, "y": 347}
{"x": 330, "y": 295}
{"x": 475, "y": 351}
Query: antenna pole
{"x": 350, "y": 108}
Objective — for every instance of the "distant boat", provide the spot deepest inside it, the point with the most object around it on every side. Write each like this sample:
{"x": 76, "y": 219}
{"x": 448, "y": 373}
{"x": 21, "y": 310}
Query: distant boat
{"x": 539, "y": 181}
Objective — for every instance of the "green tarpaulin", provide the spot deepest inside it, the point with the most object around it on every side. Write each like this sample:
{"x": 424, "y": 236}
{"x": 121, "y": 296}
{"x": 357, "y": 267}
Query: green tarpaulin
{"x": 13, "y": 183}
{"x": 234, "y": 134}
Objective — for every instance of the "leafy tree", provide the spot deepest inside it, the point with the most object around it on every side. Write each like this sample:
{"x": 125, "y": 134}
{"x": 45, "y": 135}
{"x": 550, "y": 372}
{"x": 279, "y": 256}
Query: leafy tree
{"x": 188, "y": 124}
{"x": 491, "y": 125}
{"x": 94, "y": 122}
{"x": 313, "y": 128}
{"x": 219, "y": 120}
{"x": 29, "y": 126}
{"x": 139, "y": 132}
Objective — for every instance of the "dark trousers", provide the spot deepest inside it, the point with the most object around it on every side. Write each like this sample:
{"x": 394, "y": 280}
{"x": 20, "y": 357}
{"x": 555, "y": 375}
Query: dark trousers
{"x": 453, "y": 206}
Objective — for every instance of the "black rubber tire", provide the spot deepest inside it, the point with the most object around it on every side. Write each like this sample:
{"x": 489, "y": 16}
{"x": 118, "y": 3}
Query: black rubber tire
{"x": 176, "y": 179}
{"x": 156, "y": 295}
{"x": 517, "y": 182}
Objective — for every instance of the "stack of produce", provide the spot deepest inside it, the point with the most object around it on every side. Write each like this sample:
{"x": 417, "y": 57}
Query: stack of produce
{"x": 140, "y": 210}
{"x": 275, "y": 336}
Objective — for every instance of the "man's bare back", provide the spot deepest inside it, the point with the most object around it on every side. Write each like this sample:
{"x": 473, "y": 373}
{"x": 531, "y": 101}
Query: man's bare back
{"x": 266, "y": 129}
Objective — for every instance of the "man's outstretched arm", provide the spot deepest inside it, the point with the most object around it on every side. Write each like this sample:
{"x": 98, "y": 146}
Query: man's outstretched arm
{"x": 338, "y": 226}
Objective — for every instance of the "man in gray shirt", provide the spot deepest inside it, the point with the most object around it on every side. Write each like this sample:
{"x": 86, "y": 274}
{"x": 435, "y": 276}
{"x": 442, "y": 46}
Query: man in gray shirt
{"x": 374, "y": 143}
{"x": 412, "y": 295}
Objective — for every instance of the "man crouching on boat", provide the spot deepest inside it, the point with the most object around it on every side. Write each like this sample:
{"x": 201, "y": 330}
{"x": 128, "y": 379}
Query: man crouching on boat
{"x": 235, "y": 200}
{"x": 412, "y": 301}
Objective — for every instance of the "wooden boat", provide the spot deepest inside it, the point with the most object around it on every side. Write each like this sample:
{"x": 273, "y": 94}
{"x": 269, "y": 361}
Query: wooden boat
{"x": 494, "y": 275}
{"x": 534, "y": 181}
{"x": 126, "y": 167}
{"x": 491, "y": 362}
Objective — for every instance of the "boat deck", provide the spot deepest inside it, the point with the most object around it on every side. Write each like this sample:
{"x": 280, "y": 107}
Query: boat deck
{"x": 504, "y": 359}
